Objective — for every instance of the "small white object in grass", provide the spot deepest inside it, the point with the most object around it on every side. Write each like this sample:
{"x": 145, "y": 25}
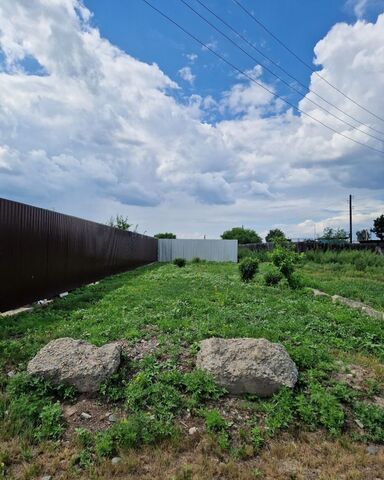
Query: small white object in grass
{"x": 63, "y": 294}
{"x": 358, "y": 423}
{"x": 112, "y": 418}
{"x": 115, "y": 460}
{"x": 192, "y": 430}
{"x": 85, "y": 415}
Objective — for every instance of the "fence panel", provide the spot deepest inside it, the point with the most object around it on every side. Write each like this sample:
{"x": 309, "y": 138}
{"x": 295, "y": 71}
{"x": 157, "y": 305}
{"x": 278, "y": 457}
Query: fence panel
{"x": 211, "y": 250}
{"x": 43, "y": 253}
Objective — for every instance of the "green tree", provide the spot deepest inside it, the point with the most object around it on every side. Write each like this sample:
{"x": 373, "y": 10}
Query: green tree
{"x": 119, "y": 222}
{"x": 378, "y": 227}
{"x": 275, "y": 235}
{"x": 363, "y": 235}
{"x": 331, "y": 234}
{"x": 242, "y": 235}
{"x": 165, "y": 235}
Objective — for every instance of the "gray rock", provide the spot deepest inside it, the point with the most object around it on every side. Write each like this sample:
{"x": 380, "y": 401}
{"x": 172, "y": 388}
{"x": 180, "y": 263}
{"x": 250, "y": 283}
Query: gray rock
{"x": 115, "y": 460}
{"x": 247, "y": 365}
{"x": 112, "y": 418}
{"x": 85, "y": 415}
{"x": 46, "y": 477}
{"x": 372, "y": 449}
{"x": 76, "y": 363}
{"x": 192, "y": 431}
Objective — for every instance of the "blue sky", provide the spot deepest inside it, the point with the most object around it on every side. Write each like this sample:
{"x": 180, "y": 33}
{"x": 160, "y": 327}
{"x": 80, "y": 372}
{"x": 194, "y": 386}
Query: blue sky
{"x": 107, "y": 108}
{"x": 141, "y": 32}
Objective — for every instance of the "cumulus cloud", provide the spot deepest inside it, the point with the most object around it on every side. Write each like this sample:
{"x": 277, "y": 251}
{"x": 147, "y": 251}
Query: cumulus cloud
{"x": 96, "y": 131}
{"x": 187, "y": 75}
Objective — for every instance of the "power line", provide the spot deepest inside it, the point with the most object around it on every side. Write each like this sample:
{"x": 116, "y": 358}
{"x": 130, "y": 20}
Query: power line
{"x": 245, "y": 74}
{"x": 275, "y": 75}
{"x": 303, "y": 61}
{"x": 269, "y": 59}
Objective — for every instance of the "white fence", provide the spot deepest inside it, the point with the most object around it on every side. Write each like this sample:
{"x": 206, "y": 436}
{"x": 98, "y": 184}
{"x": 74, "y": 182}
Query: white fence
{"x": 211, "y": 250}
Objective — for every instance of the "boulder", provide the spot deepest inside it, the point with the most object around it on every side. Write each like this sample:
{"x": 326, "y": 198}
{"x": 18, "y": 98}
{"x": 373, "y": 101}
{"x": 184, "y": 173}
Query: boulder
{"x": 247, "y": 365}
{"x": 76, "y": 363}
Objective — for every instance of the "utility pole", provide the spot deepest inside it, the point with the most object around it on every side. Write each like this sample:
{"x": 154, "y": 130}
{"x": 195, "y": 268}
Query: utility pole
{"x": 350, "y": 218}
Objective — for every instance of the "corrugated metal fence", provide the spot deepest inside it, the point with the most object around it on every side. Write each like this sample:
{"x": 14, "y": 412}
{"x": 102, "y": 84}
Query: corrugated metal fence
{"x": 43, "y": 253}
{"x": 213, "y": 250}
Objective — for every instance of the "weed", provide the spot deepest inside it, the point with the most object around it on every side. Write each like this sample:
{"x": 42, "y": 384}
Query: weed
{"x": 272, "y": 276}
{"x": 372, "y": 419}
{"x": 214, "y": 422}
{"x": 320, "y": 408}
{"x": 279, "y": 411}
{"x": 51, "y": 424}
{"x": 180, "y": 262}
{"x": 257, "y": 438}
{"x": 196, "y": 260}
{"x": 248, "y": 268}
{"x": 138, "y": 429}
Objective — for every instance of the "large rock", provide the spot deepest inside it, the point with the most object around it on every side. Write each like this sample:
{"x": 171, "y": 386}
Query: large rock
{"x": 247, "y": 365}
{"x": 76, "y": 362}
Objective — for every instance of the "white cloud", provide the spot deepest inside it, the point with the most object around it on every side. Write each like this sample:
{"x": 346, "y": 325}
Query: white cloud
{"x": 192, "y": 57}
{"x": 187, "y": 75}
{"x": 96, "y": 132}
{"x": 360, "y": 7}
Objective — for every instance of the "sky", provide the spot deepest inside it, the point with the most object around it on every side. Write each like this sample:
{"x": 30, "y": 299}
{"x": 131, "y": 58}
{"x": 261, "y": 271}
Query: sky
{"x": 107, "y": 108}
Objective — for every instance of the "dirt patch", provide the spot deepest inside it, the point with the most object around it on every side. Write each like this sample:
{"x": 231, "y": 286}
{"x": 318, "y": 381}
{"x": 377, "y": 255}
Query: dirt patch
{"x": 355, "y": 376}
{"x": 90, "y": 414}
{"x": 139, "y": 350}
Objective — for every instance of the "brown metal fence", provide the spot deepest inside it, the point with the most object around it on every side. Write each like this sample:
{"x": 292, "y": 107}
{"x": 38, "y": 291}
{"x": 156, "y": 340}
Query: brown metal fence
{"x": 43, "y": 253}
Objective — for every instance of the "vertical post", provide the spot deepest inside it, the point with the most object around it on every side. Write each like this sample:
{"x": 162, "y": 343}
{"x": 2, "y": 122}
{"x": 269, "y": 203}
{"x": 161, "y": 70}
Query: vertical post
{"x": 350, "y": 218}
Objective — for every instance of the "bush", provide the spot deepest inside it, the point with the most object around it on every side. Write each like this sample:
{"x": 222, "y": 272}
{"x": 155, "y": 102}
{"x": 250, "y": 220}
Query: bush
{"x": 286, "y": 259}
{"x": 295, "y": 281}
{"x": 272, "y": 276}
{"x": 180, "y": 262}
{"x": 196, "y": 260}
{"x": 248, "y": 268}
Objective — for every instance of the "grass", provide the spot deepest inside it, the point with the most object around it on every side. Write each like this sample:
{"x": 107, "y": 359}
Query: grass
{"x": 356, "y": 275}
{"x": 162, "y": 394}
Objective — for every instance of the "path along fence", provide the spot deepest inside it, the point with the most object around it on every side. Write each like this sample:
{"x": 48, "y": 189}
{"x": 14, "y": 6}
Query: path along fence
{"x": 44, "y": 253}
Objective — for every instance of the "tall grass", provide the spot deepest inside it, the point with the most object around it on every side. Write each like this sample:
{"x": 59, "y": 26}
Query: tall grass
{"x": 359, "y": 259}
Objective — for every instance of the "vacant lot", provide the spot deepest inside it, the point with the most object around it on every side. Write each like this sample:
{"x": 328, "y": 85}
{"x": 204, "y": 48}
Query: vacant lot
{"x": 330, "y": 427}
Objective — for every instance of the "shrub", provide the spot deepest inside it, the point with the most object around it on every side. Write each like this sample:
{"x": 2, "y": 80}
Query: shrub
{"x": 196, "y": 260}
{"x": 272, "y": 276}
{"x": 295, "y": 281}
{"x": 286, "y": 259}
{"x": 248, "y": 268}
{"x": 180, "y": 262}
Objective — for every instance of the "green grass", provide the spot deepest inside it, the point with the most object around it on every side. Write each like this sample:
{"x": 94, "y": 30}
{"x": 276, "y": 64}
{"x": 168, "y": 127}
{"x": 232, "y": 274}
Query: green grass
{"x": 182, "y": 306}
{"x": 344, "y": 279}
